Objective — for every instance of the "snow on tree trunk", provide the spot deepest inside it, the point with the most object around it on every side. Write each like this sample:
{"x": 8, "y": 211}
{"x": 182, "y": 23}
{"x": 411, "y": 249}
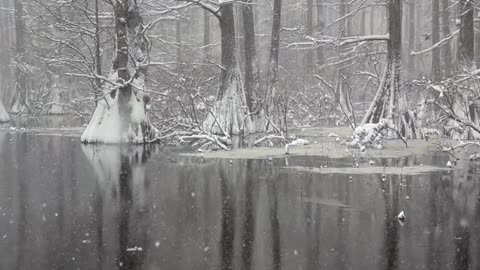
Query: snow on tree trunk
{"x": 4, "y": 117}
{"x": 390, "y": 102}
{"x": 121, "y": 117}
{"x": 117, "y": 120}
{"x": 230, "y": 114}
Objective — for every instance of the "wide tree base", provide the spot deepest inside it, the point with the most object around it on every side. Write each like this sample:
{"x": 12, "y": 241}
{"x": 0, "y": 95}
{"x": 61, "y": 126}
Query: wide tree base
{"x": 229, "y": 115}
{"x": 4, "y": 117}
{"x": 110, "y": 125}
{"x": 390, "y": 104}
{"x": 17, "y": 107}
{"x": 56, "y": 108}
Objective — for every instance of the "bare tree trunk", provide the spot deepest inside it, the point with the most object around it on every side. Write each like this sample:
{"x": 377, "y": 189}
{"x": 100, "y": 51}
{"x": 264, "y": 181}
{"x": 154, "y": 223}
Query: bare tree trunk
{"x": 273, "y": 106}
{"x": 466, "y": 37}
{"x": 411, "y": 37}
{"x": 372, "y": 19}
{"x": 309, "y": 27}
{"x": 362, "y": 23}
{"x": 240, "y": 35}
{"x": 436, "y": 70}
{"x": 229, "y": 116}
{"x": 251, "y": 68}
{"x": 343, "y": 25}
{"x": 5, "y": 72}
{"x": 272, "y": 78}
{"x": 342, "y": 94}
{"x": 98, "y": 57}
{"x": 389, "y": 102}
{"x": 229, "y": 60}
{"x": 178, "y": 41}
{"x": 120, "y": 62}
{"x": 477, "y": 36}
{"x": 320, "y": 28}
{"x": 446, "y": 50}
{"x": 206, "y": 34}
{"x": 19, "y": 101}
{"x": 5, "y": 60}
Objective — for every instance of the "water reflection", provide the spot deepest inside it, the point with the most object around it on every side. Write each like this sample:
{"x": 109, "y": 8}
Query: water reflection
{"x": 391, "y": 225}
{"x": 121, "y": 178}
{"x": 68, "y": 206}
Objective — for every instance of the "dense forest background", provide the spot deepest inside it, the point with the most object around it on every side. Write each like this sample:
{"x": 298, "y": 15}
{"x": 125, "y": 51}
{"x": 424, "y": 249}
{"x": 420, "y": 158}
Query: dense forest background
{"x": 332, "y": 55}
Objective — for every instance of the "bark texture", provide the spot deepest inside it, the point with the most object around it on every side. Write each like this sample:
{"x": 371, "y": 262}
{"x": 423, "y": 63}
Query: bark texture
{"x": 320, "y": 28}
{"x": 272, "y": 107}
{"x": 206, "y": 34}
{"x": 411, "y": 37}
{"x": 390, "y": 102}
{"x": 230, "y": 115}
{"x": 466, "y": 37}
{"x": 309, "y": 59}
{"x": 436, "y": 69}
{"x": 19, "y": 102}
{"x": 251, "y": 67}
{"x": 342, "y": 90}
{"x": 446, "y": 49}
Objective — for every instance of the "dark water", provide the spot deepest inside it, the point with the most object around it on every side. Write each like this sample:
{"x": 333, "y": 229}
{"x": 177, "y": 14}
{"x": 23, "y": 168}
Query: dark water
{"x": 68, "y": 206}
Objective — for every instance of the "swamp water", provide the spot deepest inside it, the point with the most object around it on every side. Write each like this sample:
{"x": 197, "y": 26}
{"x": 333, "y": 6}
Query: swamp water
{"x": 64, "y": 205}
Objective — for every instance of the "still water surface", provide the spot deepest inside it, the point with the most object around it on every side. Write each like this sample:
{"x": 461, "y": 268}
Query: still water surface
{"x": 64, "y": 205}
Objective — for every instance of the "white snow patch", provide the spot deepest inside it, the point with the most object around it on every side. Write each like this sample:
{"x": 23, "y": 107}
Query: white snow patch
{"x": 369, "y": 135}
{"x": 106, "y": 125}
{"x": 299, "y": 142}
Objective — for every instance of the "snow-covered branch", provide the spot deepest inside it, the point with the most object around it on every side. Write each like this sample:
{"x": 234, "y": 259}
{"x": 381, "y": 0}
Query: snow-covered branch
{"x": 341, "y": 42}
{"x": 358, "y": 39}
{"x": 207, "y": 5}
{"x": 439, "y": 44}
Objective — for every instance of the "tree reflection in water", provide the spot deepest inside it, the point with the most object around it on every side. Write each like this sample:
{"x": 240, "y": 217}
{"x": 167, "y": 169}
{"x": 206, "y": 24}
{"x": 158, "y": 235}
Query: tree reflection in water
{"x": 120, "y": 170}
{"x": 248, "y": 230}
{"x": 228, "y": 221}
{"x": 88, "y": 207}
{"x": 392, "y": 225}
{"x": 274, "y": 219}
